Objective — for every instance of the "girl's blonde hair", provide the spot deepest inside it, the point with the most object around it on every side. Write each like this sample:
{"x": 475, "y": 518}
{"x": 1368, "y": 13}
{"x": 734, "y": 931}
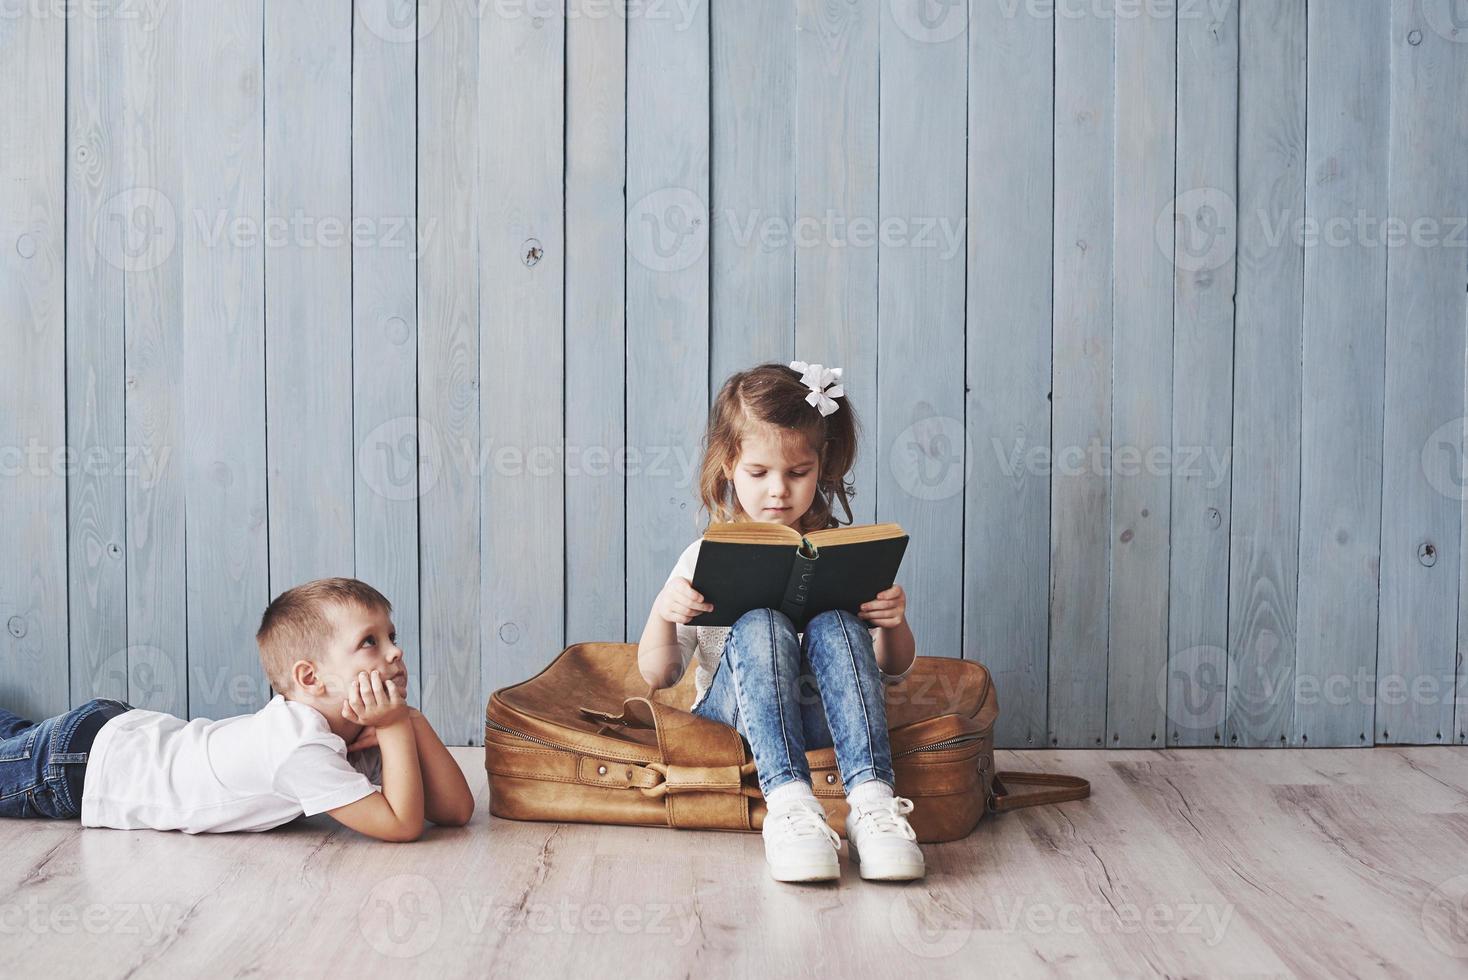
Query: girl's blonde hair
{"x": 771, "y": 395}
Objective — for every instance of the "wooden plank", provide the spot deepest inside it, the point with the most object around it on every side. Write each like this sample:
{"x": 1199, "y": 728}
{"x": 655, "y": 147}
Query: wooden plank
{"x": 1149, "y": 74}
{"x": 1007, "y": 507}
{"x": 143, "y": 226}
{"x": 308, "y": 289}
{"x": 384, "y": 314}
{"x": 97, "y": 493}
{"x": 754, "y": 234}
{"x": 223, "y": 378}
{"x": 667, "y": 292}
{"x": 922, "y": 257}
{"x": 1341, "y": 425}
{"x": 1080, "y": 499}
{"x": 448, "y": 370}
{"x": 835, "y": 165}
{"x": 522, "y": 261}
{"x": 1203, "y": 240}
{"x": 1421, "y": 523}
{"x": 596, "y": 329}
{"x": 1252, "y": 694}
{"x": 33, "y": 409}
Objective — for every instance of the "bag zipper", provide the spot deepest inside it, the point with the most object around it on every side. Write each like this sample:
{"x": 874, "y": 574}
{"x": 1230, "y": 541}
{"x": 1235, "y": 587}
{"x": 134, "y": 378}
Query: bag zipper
{"x": 531, "y": 738}
{"x": 947, "y": 743}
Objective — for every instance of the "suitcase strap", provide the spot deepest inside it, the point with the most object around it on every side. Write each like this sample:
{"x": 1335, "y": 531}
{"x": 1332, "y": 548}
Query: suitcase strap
{"x": 1050, "y": 788}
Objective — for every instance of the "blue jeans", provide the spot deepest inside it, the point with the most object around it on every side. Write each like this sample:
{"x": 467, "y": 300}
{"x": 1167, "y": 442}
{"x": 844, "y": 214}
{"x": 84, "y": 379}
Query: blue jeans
{"x": 786, "y": 694}
{"x": 43, "y": 766}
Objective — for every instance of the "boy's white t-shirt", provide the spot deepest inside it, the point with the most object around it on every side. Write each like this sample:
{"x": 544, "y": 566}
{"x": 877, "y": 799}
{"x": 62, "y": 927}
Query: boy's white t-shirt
{"x": 707, "y": 642}
{"x": 153, "y": 771}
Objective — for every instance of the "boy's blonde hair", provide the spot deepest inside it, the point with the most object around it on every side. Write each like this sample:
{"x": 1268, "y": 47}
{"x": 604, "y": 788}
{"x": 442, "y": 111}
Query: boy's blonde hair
{"x": 771, "y": 395}
{"x": 295, "y": 625}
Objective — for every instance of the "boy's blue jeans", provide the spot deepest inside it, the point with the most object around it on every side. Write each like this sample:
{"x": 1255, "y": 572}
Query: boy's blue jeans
{"x": 786, "y": 694}
{"x": 43, "y": 766}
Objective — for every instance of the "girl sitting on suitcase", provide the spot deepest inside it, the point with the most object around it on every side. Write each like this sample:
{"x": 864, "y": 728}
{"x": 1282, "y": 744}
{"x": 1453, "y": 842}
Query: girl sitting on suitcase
{"x": 778, "y": 448}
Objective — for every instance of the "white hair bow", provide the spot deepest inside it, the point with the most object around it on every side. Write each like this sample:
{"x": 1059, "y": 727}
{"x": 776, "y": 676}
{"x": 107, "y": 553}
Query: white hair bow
{"x": 823, "y": 383}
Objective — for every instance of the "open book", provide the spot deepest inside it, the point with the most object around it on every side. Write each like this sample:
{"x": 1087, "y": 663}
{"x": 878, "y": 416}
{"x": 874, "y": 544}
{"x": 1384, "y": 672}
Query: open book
{"x": 744, "y": 565}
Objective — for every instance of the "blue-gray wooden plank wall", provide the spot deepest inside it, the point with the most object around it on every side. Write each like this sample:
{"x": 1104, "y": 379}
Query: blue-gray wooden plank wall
{"x": 1154, "y": 314}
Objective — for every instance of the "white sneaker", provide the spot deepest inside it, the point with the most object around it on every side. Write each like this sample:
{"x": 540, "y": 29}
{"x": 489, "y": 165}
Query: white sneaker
{"x": 883, "y": 842}
{"x": 799, "y": 844}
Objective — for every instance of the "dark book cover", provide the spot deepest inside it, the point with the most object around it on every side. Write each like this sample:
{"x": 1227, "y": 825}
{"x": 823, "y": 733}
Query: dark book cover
{"x": 738, "y": 577}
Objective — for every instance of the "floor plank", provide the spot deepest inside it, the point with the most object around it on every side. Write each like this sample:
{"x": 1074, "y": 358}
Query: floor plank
{"x": 1291, "y": 862}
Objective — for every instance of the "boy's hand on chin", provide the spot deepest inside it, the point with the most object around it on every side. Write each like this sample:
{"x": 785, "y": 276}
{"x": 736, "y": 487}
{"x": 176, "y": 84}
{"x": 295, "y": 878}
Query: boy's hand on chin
{"x": 374, "y": 702}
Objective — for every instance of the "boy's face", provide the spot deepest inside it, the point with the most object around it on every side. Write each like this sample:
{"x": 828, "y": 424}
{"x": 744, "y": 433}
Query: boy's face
{"x": 775, "y": 479}
{"x": 362, "y": 640}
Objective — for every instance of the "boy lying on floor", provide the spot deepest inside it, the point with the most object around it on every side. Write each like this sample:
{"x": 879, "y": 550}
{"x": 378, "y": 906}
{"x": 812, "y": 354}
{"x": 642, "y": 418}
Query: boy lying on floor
{"x": 339, "y": 738}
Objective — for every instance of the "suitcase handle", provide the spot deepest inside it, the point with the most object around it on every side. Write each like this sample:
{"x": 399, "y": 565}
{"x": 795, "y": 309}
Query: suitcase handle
{"x": 1052, "y": 788}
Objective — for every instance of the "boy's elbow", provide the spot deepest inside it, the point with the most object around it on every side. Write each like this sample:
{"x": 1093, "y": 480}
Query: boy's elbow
{"x": 458, "y": 816}
{"x": 405, "y": 835}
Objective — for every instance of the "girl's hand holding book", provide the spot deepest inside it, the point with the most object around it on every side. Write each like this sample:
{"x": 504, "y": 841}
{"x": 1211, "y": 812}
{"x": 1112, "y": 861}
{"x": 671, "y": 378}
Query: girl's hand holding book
{"x": 679, "y": 602}
{"x": 888, "y": 609}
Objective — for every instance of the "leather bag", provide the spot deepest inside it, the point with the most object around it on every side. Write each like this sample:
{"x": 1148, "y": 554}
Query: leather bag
{"x": 570, "y": 744}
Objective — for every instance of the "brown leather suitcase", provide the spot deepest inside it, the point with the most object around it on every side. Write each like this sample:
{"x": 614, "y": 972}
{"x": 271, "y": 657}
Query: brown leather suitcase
{"x": 570, "y": 744}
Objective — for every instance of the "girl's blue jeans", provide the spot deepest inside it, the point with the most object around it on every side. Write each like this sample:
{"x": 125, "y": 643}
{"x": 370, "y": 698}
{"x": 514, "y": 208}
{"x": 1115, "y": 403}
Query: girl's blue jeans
{"x": 43, "y": 765}
{"x": 786, "y": 694}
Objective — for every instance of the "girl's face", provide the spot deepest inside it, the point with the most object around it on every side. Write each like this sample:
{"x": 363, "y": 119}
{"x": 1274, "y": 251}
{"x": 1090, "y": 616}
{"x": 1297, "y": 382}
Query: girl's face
{"x": 774, "y": 478}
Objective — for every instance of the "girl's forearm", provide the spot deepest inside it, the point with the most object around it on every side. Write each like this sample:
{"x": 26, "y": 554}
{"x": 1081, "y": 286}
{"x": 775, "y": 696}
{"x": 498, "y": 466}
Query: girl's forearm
{"x": 659, "y": 659}
{"x": 895, "y": 648}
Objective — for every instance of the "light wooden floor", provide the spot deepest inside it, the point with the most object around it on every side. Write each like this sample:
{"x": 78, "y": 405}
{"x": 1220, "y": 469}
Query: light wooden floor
{"x": 1188, "y": 862}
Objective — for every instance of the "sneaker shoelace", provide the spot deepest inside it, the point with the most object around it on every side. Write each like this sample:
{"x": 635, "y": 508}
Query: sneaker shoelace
{"x": 887, "y": 816}
{"x": 801, "y": 820}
